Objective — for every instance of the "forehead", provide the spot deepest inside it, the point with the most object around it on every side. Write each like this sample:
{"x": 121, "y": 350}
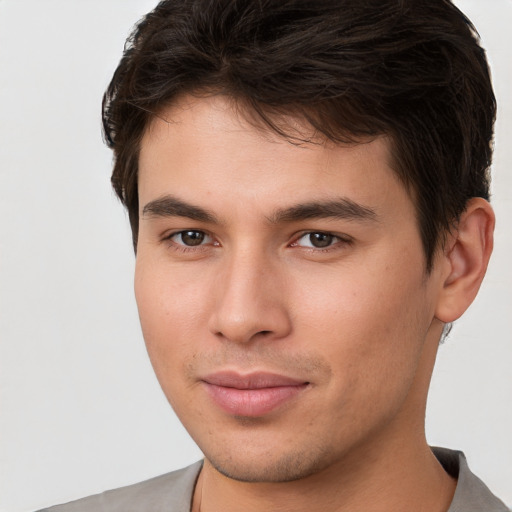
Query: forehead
{"x": 210, "y": 149}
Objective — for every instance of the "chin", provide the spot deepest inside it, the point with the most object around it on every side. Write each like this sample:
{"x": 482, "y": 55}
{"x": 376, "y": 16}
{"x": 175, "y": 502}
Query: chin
{"x": 269, "y": 468}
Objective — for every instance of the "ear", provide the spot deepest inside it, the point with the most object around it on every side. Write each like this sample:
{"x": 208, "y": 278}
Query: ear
{"x": 465, "y": 258}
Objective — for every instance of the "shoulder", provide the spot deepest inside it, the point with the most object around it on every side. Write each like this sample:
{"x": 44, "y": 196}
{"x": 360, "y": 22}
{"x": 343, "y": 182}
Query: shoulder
{"x": 471, "y": 494}
{"x": 172, "y": 491}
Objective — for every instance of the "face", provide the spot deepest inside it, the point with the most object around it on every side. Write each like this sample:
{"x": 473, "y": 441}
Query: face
{"x": 282, "y": 292}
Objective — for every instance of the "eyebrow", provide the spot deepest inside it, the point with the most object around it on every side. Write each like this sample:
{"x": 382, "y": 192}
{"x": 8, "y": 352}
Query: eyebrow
{"x": 169, "y": 206}
{"x": 343, "y": 208}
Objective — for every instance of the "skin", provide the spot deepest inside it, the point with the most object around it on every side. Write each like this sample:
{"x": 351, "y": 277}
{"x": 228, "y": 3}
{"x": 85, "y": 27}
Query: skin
{"x": 357, "y": 320}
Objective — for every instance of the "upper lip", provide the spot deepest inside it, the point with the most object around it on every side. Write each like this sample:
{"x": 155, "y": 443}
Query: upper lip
{"x": 255, "y": 380}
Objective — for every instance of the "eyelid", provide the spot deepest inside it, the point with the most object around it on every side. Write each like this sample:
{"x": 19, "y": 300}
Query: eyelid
{"x": 208, "y": 238}
{"x": 339, "y": 239}
{"x": 209, "y": 241}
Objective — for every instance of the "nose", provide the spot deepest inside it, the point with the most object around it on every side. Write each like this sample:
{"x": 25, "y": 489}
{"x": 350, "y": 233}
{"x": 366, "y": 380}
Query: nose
{"x": 250, "y": 301}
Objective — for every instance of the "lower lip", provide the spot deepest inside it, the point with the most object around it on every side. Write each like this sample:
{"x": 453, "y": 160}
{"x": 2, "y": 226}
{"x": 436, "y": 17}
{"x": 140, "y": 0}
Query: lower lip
{"x": 252, "y": 402}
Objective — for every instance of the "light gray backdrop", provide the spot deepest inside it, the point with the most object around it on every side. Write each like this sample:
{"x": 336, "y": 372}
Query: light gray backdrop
{"x": 80, "y": 409}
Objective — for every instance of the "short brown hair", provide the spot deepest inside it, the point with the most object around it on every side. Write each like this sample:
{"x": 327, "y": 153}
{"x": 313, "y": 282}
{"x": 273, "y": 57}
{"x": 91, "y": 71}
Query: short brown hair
{"x": 410, "y": 69}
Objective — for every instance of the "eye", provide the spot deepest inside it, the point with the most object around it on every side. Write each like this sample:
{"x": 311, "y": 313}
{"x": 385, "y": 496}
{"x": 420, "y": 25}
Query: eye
{"x": 318, "y": 240}
{"x": 191, "y": 238}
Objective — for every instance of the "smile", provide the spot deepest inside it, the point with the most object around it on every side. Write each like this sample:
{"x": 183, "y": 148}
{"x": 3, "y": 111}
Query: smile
{"x": 251, "y": 395}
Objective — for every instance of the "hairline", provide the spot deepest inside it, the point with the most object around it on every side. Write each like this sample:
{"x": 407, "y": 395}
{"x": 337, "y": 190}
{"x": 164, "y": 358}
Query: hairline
{"x": 245, "y": 107}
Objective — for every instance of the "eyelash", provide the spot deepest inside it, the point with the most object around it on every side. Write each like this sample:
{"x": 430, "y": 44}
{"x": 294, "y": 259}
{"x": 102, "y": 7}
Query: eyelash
{"x": 337, "y": 240}
{"x": 181, "y": 247}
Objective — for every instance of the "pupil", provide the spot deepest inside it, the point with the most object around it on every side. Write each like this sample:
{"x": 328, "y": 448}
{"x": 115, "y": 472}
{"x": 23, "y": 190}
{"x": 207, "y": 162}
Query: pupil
{"x": 192, "y": 237}
{"x": 320, "y": 239}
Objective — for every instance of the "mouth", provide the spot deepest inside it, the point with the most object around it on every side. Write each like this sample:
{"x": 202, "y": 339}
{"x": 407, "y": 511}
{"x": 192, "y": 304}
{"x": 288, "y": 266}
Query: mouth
{"x": 251, "y": 395}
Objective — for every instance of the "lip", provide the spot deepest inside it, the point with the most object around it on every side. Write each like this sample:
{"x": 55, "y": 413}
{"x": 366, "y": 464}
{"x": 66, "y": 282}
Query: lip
{"x": 251, "y": 395}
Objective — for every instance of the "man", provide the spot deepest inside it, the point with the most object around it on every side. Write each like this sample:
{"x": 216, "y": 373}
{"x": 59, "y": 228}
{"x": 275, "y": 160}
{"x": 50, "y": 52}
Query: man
{"x": 307, "y": 186}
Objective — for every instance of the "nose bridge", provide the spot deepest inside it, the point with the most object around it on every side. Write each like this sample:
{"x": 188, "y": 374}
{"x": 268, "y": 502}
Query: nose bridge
{"x": 249, "y": 300}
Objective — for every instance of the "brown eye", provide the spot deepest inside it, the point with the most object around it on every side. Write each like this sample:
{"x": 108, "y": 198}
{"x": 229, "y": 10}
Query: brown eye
{"x": 317, "y": 240}
{"x": 190, "y": 238}
{"x": 321, "y": 240}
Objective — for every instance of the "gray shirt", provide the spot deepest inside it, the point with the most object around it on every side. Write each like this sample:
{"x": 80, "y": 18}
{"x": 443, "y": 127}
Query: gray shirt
{"x": 173, "y": 492}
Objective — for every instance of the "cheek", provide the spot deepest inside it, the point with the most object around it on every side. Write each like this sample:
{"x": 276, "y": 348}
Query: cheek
{"x": 372, "y": 323}
{"x": 352, "y": 303}
{"x": 169, "y": 300}
{"x": 170, "y": 316}
{"x": 374, "y": 346}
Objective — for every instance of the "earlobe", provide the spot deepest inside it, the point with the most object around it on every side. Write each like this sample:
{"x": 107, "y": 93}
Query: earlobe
{"x": 465, "y": 259}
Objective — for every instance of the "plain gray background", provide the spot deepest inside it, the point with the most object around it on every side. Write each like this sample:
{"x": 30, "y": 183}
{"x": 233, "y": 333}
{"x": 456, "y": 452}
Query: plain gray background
{"x": 81, "y": 411}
